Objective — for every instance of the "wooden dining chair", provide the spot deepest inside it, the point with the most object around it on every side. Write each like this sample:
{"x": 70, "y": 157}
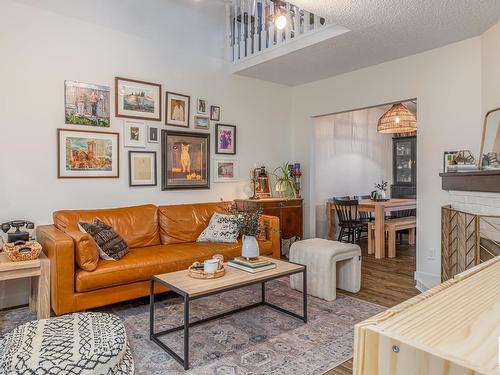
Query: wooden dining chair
{"x": 350, "y": 223}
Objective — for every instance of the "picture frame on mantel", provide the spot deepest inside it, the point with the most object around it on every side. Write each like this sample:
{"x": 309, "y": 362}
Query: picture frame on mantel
{"x": 137, "y": 99}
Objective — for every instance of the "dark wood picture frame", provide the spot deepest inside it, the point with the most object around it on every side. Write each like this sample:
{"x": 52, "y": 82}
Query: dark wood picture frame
{"x": 212, "y": 118}
{"x": 157, "y": 85}
{"x": 155, "y": 168}
{"x": 165, "y": 134}
{"x": 167, "y": 94}
{"x": 217, "y": 150}
{"x": 91, "y": 132}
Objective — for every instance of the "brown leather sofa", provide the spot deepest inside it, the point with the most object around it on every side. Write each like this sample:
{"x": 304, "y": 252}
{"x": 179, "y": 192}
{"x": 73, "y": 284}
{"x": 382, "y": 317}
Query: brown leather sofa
{"x": 161, "y": 239}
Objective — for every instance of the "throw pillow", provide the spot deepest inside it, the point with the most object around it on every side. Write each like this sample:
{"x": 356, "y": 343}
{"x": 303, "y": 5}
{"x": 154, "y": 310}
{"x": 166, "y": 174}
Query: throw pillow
{"x": 110, "y": 244}
{"x": 221, "y": 228}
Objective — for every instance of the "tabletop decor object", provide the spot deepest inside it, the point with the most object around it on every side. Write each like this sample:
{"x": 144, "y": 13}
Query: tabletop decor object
{"x": 379, "y": 194}
{"x": 196, "y": 271}
{"x": 260, "y": 183}
{"x": 26, "y": 251}
{"x": 285, "y": 181}
{"x": 490, "y": 143}
{"x": 249, "y": 226}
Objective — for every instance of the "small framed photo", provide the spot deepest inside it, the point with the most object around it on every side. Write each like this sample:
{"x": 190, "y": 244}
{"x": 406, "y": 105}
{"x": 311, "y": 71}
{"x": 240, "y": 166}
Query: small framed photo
{"x": 137, "y": 99}
{"x": 201, "y": 122}
{"x": 153, "y": 136}
{"x": 225, "y": 139}
{"x": 225, "y": 170}
{"x": 87, "y": 154}
{"x": 142, "y": 168}
{"x": 450, "y": 161}
{"x": 134, "y": 134}
{"x": 202, "y": 107}
{"x": 177, "y": 109}
{"x": 214, "y": 113}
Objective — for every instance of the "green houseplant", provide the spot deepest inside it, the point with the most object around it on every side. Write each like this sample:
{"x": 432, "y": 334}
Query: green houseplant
{"x": 249, "y": 226}
{"x": 285, "y": 183}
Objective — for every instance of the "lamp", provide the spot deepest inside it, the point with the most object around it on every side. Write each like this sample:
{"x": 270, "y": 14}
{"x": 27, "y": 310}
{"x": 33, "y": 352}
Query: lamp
{"x": 398, "y": 119}
{"x": 280, "y": 21}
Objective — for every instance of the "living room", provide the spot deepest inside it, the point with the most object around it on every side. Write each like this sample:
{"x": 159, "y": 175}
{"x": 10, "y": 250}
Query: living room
{"x": 445, "y": 56}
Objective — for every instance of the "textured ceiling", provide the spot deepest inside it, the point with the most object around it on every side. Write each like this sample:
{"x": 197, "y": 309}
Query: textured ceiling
{"x": 381, "y": 30}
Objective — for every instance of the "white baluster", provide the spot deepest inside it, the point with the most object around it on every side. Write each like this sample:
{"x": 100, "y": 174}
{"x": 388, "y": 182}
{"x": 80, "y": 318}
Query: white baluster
{"x": 316, "y": 22}
{"x": 241, "y": 40}
{"x": 255, "y": 35}
{"x": 306, "y": 25}
{"x": 288, "y": 27}
{"x": 229, "y": 44}
{"x": 263, "y": 24}
{"x": 249, "y": 28}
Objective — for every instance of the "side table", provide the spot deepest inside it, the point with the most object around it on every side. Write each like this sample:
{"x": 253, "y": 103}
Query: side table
{"x": 38, "y": 271}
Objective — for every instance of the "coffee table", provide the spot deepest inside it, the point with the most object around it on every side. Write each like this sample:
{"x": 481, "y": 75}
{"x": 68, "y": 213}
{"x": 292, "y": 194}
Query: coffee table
{"x": 190, "y": 289}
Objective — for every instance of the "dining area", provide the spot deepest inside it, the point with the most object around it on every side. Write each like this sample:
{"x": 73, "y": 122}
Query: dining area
{"x": 380, "y": 221}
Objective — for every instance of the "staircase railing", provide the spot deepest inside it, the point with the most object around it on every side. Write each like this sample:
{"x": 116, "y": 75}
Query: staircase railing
{"x": 252, "y": 25}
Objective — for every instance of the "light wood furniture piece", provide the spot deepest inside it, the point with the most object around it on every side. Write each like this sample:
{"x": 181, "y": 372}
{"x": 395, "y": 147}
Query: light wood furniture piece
{"x": 379, "y": 209}
{"x": 190, "y": 289}
{"x": 392, "y": 226}
{"x": 452, "y": 329}
{"x": 38, "y": 271}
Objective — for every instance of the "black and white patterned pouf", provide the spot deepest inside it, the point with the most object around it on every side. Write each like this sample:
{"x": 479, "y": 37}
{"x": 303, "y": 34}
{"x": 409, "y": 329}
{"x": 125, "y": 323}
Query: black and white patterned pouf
{"x": 82, "y": 343}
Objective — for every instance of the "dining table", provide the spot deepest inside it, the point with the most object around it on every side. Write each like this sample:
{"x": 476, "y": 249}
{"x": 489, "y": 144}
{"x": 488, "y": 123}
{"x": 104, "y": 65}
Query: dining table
{"x": 379, "y": 208}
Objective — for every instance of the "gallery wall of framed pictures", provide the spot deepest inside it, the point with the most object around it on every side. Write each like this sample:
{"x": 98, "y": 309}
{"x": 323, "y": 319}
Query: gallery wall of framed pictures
{"x": 185, "y": 155}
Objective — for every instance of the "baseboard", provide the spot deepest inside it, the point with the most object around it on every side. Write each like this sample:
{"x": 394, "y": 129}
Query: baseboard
{"x": 425, "y": 281}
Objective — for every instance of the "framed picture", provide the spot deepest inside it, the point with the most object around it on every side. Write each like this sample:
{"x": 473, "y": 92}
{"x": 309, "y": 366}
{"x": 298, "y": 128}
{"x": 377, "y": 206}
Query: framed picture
{"x": 153, "y": 134}
{"x": 201, "y": 122}
{"x": 177, "y": 109}
{"x": 86, "y": 104}
{"x": 225, "y": 139}
{"x": 142, "y": 168}
{"x": 137, "y": 99}
{"x": 87, "y": 154}
{"x": 185, "y": 160}
{"x": 450, "y": 161}
{"x": 214, "y": 113}
{"x": 225, "y": 170}
{"x": 202, "y": 107}
{"x": 134, "y": 133}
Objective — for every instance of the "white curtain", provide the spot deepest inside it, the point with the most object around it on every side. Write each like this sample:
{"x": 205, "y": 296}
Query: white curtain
{"x": 350, "y": 156}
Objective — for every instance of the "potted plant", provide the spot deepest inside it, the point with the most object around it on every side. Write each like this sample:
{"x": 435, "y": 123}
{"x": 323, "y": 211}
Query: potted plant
{"x": 285, "y": 182}
{"x": 249, "y": 226}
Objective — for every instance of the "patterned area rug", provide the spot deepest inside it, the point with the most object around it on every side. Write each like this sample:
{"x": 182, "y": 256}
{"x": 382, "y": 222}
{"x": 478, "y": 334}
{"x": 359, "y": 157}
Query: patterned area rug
{"x": 256, "y": 341}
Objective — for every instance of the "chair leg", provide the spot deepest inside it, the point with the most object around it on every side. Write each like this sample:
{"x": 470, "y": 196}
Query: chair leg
{"x": 411, "y": 236}
{"x": 392, "y": 243}
{"x": 341, "y": 234}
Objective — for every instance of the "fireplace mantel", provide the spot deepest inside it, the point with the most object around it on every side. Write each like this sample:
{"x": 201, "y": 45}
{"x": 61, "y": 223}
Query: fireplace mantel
{"x": 483, "y": 181}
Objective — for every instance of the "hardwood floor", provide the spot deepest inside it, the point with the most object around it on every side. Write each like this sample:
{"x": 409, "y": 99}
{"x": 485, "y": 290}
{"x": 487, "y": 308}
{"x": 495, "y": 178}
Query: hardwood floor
{"x": 387, "y": 282}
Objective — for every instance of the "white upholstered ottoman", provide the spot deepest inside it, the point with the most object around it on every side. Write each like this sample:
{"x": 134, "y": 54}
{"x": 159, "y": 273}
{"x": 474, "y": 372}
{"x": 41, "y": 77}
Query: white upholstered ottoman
{"x": 330, "y": 265}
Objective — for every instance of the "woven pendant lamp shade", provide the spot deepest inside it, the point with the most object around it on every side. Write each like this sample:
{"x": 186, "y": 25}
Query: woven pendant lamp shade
{"x": 398, "y": 119}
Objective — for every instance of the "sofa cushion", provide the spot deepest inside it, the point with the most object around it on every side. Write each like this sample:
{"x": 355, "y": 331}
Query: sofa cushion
{"x": 141, "y": 264}
{"x": 185, "y": 222}
{"x": 110, "y": 244}
{"x": 86, "y": 251}
{"x": 137, "y": 225}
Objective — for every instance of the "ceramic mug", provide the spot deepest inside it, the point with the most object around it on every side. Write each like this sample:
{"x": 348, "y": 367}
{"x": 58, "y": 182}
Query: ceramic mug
{"x": 210, "y": 265}
{"x": 220, "y": 259}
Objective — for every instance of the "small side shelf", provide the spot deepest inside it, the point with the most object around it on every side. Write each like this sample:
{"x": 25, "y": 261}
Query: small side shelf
{"x": 483, "y": 181}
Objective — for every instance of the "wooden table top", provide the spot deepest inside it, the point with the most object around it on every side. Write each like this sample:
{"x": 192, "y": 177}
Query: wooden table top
{"x": 390, "y": 203}
{"x": 233, "y": 278}
{"x": 8, "y": 265}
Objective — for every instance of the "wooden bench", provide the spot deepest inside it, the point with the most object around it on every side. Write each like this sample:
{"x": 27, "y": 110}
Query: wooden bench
{"x": 391, "y": 227}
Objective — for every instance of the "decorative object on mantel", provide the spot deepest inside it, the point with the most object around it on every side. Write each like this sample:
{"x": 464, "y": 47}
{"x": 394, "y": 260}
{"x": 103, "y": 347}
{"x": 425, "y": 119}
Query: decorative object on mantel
{"x": 490, "y": 143}
{"x": 459, "y": 161}
{"x": 285, "y": 181}
{"x": 249, "y": 227}
{"x": 260, "y": 181}
{"x": 379, "y": 194}
{"x": 398, "y": 119}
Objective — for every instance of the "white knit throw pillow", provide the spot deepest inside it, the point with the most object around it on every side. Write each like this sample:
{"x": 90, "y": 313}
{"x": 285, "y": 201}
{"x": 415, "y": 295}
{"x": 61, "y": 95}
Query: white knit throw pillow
{"x": 222, "y": 228}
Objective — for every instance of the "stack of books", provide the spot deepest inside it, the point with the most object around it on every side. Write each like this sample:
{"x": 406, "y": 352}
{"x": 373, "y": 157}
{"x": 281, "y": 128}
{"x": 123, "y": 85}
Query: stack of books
{"x": 252, "y": 265}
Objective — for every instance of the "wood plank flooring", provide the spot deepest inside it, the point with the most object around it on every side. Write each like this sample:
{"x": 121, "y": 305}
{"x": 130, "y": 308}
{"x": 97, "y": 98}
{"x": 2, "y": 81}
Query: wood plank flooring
{"x": 387, "y": 282}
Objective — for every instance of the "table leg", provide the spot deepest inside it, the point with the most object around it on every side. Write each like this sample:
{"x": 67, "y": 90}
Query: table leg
{"x": 151, "y": 307}
{"x": 330, "y": 221}
{"x": 304, "y": 293}
{"x": 43, "y": 290}
{"x": 186, "y": 332}
{"x": 263, "y": 292}
{"x": 379, "y": 232}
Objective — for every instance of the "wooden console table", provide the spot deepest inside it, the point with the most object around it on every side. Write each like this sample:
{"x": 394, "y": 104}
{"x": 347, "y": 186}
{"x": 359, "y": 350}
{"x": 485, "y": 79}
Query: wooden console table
{"x": 38, "y": 271}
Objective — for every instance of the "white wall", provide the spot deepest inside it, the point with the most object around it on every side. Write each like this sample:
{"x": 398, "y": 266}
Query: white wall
{"x": 447, "y": 85}
{"x": 177, "y": 43}
{"x": 349, "y": 157}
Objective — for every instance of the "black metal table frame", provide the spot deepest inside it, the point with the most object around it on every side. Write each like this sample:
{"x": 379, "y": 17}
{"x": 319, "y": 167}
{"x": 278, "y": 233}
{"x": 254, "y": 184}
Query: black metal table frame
{"x": 187, "y": 298}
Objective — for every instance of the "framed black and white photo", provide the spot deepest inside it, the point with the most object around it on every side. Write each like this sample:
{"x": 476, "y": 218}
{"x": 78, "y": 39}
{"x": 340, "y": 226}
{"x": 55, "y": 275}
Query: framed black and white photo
{"x": 214, "y": 113}
{"x": 225, "y": 139}
{"x": 202, "y": 107}
{"x": 177, "y": 109}
{"x": 225, "y": 170}
{"x": 137, "y": 99}
{"x": 201, "y": 122}
{"x": 153, "y": 136}
{"x": 142, "y": 168}
{"x": 134, "y": 133}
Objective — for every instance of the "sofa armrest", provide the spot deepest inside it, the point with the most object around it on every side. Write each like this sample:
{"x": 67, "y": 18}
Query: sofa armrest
{"x": 60, "y": 250}
{"x": 272, "y": 227}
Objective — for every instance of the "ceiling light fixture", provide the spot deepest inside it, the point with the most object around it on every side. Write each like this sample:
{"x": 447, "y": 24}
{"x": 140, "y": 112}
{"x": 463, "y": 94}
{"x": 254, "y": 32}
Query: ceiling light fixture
{"x": 280, "y": 21}
{"x": 398, "y": 119}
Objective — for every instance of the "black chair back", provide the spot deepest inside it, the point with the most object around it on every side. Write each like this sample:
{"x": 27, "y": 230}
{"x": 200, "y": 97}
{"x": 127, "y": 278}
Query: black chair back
{"x": 363, "y": 214}
{"x": 347, "y": 210}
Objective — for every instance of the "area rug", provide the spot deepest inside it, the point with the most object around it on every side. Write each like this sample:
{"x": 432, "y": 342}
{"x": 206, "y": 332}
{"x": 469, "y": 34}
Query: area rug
{"x": 256, "y": 341}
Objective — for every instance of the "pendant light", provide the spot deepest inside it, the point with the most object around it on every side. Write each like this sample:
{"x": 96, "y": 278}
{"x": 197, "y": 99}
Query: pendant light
{"x": 398, "y": 119}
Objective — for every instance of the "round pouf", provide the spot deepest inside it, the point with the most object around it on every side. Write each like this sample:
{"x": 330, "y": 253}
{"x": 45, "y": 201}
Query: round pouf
{"x": 82, "y": 343}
